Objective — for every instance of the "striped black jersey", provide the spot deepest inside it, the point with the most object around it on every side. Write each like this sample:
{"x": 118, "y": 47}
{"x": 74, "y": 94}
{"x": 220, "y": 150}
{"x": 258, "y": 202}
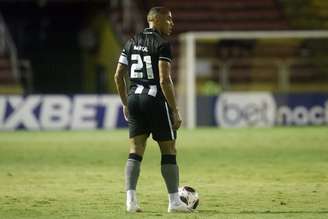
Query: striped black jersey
{"x": 141, "y": 54}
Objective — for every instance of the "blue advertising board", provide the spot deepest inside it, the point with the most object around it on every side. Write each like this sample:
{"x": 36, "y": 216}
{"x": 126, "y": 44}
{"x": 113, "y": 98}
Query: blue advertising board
{"x": 60, "y": 112}
{"x": 262, "y": 109}
{"x": 230, "y": 109}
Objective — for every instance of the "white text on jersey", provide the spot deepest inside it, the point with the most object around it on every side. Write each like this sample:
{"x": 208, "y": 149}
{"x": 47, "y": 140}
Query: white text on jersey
{"x": 141, "y": 48}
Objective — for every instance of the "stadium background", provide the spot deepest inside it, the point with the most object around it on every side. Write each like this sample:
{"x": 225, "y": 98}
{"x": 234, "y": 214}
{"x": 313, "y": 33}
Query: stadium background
{"x": 57, "y": 61}
{"x": 71, "y": 47}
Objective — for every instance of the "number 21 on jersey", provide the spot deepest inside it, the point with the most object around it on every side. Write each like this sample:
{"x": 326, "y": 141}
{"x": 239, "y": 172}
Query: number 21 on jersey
{"x": 138, "y": 67}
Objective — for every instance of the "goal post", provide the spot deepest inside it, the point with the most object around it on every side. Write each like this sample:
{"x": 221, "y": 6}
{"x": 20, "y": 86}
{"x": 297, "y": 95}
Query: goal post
{"x": 186, "y": 86}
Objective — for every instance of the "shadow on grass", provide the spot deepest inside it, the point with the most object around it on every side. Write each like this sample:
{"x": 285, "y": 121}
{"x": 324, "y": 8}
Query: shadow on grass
{"x": 262, "y": 212}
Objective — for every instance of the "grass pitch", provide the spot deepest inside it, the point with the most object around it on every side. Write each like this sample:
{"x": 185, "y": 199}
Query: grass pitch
{"x": 239, "y": 173}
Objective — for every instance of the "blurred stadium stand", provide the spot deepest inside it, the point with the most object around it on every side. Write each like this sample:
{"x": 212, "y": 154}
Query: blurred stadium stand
{"x": 71, "y": 46}
{"x": 9, "y": 72}
{"x": 52, "y": 55}
{"x": 227, "y": 15}
{"x": 254, "y": 62}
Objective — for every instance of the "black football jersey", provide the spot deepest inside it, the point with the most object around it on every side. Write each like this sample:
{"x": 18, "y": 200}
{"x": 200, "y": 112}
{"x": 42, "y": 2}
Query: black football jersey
{"x": 141, "y": 54}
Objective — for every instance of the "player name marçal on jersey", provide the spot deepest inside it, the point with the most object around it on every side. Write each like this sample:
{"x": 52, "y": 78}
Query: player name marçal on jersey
{"x": 141, "y": 48}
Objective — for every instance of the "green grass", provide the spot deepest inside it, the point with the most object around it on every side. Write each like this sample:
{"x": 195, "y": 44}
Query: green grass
{"x": 239, "y": 173}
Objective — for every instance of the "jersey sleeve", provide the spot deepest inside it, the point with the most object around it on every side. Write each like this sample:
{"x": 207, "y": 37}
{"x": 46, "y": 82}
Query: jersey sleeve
{"x": 165, "y": 52}
{"x": 124, "y": 55}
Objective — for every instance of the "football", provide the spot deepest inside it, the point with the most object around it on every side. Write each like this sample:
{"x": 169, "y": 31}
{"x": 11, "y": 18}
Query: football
{"x": 189, "y": 196}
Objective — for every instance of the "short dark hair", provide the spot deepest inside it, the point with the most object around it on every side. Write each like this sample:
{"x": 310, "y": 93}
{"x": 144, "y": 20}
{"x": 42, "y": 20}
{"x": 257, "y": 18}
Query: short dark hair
{"x": 155, "y": 11}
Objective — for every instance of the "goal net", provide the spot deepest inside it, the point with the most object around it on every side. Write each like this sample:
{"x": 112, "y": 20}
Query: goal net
{"x": 211, "y": 63}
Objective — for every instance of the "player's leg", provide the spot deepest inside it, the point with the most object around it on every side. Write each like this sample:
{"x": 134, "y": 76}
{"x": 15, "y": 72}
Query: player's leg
{"x": 132, "y": 170}
{"x": 162, "y": 132}
{"x": 138, "y": 132}
{"x": 170, "y": 173}
{"x": 169, "y": 167}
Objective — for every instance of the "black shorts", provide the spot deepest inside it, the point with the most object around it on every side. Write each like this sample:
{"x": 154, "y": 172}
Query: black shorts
{"x": 147, "y": 115}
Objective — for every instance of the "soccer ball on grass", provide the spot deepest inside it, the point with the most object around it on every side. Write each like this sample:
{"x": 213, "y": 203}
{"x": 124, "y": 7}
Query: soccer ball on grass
{"x": 189, "y": 196}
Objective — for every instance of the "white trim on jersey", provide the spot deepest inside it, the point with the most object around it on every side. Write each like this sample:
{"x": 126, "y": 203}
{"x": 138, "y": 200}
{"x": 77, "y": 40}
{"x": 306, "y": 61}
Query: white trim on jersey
{"x": 123, "y": 59}
{"x": 165, "y": 58}
{"x": 152, "y": 90}
{"x": 139, "y": 89}
{"x": 168, "y": 118}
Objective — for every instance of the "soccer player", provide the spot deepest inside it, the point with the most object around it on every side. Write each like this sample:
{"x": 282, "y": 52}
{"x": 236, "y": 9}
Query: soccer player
{"x": 149, "y": 106}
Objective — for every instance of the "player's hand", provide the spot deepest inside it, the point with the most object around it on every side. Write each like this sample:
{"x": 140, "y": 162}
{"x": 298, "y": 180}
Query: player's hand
{"x": 126, "y": 113}
{"x": 176, "y": 123}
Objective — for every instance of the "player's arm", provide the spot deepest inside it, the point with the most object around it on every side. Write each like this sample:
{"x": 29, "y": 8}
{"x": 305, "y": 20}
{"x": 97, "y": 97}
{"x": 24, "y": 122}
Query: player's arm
{"x": 121, "y": 70}
{"x": 168, "y": 90}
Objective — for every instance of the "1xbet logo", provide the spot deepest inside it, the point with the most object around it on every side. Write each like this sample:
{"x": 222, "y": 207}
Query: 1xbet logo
{"x": 56, "y": 112}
